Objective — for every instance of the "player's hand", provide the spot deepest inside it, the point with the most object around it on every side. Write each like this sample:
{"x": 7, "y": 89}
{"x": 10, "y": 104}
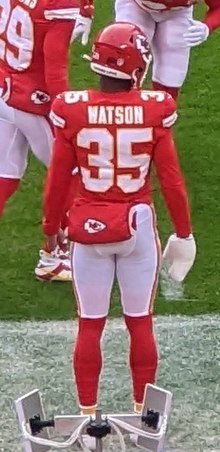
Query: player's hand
{"x": 53, "y": 240}
{"x": 196, "y": 34}
{"x": 179, "y": 255}
{"x": 82, "y": 29}
{"x": 51, "y": 243}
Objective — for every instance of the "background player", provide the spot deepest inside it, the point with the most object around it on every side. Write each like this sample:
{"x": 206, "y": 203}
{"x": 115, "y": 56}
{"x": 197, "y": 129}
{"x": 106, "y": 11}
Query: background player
{"x": 114, "y": 135}
{"x": 171, "y": 31}
{"x": 34, "y": 48}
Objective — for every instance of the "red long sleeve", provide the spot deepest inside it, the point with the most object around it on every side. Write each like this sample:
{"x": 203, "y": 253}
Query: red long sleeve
{"x": 58, "y": 183}
{"x": 56, "y": 56}
{"x": 212, "y": 18}
{"x": 87, "y": 8}
{"x": 172, "y": 183}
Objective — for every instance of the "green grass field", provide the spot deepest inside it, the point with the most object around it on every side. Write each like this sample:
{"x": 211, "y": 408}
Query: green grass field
{"x": 198, "y": 137}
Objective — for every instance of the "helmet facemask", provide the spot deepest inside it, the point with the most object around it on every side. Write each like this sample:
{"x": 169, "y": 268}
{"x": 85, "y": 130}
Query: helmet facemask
{"x": 138, "y": 76}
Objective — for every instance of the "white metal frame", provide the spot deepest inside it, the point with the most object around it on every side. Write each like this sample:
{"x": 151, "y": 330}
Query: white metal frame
{"x": 151, "y": 439}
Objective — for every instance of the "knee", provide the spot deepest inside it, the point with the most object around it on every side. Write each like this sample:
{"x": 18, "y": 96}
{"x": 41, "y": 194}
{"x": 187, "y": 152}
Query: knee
{"x": 171, "y": 62}
{"x": 89, "y": 335}
{"x": 138, "y": 325}
{"x": 169, "y": 74}
{"x": 93, "y": 327}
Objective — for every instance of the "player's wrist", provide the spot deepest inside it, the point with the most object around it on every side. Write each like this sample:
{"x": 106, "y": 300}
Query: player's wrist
{"x": 87, "y": 12}
{"x": 188, "y": 236}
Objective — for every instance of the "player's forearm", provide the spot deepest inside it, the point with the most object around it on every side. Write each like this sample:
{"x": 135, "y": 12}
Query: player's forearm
{"x": 172, "y": 182}
{"x": 177, "y": 204}
{"x": 87, "y": 8}
{"x": 57, "y": 186}
{"x": 56, "y": 62}
{"x": 55, "y": 197}
{"x": 57, "y": 83}
{"x": 212, "y": 19}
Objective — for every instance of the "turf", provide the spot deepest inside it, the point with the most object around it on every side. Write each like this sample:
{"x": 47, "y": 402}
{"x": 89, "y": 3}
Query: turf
{"x": 197, "y": 135}
{"x": 37, "y": 355}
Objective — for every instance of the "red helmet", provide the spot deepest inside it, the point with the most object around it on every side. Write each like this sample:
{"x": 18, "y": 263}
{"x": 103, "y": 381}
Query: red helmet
{"x": 121, "y": 51}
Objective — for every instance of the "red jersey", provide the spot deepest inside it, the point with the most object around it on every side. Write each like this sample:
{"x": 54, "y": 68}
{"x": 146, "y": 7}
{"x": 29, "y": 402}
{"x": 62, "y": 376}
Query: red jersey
{"x": 34, "y": 48}
{"x": 113, "y": 139}
{"x": 212, "y": 18}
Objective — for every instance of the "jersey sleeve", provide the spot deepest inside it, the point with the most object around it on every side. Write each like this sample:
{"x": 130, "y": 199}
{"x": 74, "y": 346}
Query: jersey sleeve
{"x": 56, "y": 58}
{"x": 61, "y": 15}
{"x": 171, "y": 181}
{"x": 87, "y": 8}
{"x": 169, "y": 116}
{"x": 61, "y": 9}
{"x": 59, "y": 176}
{"x": 212, "y": 18}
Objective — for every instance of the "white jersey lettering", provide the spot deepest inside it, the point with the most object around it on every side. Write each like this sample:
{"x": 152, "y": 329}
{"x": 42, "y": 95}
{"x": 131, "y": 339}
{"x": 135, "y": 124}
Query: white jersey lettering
{"x": 120, "y": 115}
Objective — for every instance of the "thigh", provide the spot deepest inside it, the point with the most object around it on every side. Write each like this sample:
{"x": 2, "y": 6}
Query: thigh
{"x": 13, "y": 145}
{"x": 129, "y": 11}
{"x": 137, "y": 273}
{"x": 170, "y": 54}
{"x": 93, "y": 276}
{"x": 39, "y": 134}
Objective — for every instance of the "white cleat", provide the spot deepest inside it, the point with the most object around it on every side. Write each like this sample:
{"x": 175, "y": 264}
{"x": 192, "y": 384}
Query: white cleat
{"x": 54, "y": 266}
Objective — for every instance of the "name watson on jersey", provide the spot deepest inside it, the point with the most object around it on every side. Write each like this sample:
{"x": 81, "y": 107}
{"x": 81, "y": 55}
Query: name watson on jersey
{"x": 128, "y": 114}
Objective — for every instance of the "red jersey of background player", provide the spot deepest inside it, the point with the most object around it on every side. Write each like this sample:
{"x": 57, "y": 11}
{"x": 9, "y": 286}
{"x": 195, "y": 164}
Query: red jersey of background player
{"x": 212, "y": 18}
{"x": 34, "y": 47}
{"x": 113, "y": 139}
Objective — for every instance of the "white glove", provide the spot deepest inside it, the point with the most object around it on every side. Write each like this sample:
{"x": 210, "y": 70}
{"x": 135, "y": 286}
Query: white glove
{"x": 197, "y": 33}
{"x": 82, "y": 28}
{"x": 178, "y": 256}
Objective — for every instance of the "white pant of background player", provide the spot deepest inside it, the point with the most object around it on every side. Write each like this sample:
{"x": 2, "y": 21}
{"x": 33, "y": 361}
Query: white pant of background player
{"x": 165, "y": 31}
{"x": 134, "y": 262}
{"x": 20, "y": 131}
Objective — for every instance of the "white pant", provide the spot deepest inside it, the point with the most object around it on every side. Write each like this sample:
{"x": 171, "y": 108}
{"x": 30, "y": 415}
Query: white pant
{"x": 134, "y": 262}
{"x": 165, "y": 33}
{"x": 19, "y": 131}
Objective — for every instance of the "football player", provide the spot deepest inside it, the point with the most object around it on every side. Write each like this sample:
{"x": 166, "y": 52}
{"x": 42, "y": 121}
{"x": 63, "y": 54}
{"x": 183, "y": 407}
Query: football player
{"x": 171, "y": 31}
{"x": 114, "y": 135}
{"x": 34, "y": 46}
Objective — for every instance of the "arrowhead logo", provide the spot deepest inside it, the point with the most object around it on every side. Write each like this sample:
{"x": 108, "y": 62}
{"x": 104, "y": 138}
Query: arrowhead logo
{"x": 93, "y": 226}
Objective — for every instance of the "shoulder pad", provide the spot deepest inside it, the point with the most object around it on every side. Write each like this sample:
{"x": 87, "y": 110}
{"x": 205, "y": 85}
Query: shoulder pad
{"x": 164, "y": 106}
{"x": 64, "y": 104}
{"x": 170, "y": 114}
{"x": 57, "y": 114}
{"x": 158, "y": 96}
{"x": 72, "y": 97}
{"x": 170, "y": 120}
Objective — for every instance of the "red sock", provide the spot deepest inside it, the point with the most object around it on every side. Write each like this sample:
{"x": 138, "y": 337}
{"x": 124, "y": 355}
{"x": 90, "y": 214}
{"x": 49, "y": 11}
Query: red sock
{"x": 172, "y": 91}
{"x": 87, "y": 360}
{"x": 7, "y": 188}
{"x": 143, "y": 353}
{"x": 71, "y": 195}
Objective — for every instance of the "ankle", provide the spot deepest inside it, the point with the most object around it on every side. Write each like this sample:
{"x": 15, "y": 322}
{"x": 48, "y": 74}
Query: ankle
{"x": 88, "y": 410}
{"x": 138, "y": 407}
